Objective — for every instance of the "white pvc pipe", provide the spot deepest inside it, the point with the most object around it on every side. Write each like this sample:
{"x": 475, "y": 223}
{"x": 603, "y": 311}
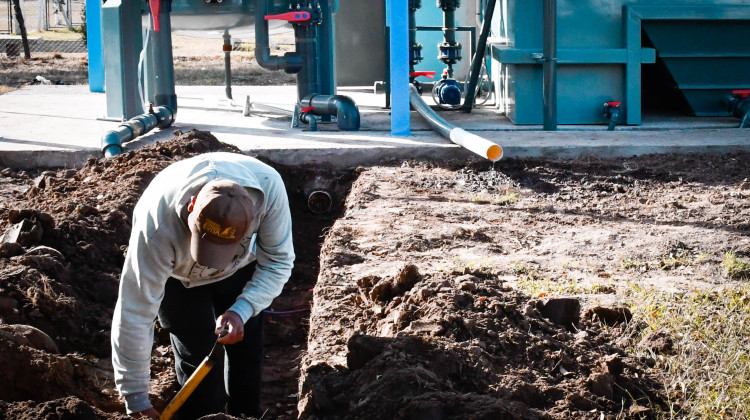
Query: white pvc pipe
{"x": 476, "y": 144}
{"x": 461, "y": 137}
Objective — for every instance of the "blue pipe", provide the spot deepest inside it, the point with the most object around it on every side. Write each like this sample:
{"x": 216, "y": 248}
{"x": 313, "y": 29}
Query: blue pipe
{"x": 291, "y": 62}
{"x": 160, "y": 116}
{"x": 162, "y": 60}
{"x": 343, "y": 107}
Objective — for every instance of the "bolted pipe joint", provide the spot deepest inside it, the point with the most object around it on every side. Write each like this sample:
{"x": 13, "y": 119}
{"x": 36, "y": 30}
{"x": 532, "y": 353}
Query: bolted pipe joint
{"x": 340, "y": 106}
{"x": 449, "y": 4}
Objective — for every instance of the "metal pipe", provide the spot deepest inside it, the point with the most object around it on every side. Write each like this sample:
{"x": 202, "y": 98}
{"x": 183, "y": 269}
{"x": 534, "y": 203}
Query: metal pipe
{"x": 112, "y": 141}
{"x": 227, "y": 47}
{"x": 472, "y": 142}
{"x": 449, "y": 51}
{"x": 476, "y": 62}
{"x": 162, "y": 61}
{"x": 326, "y": 41}
{"x": 343, "y": 107}
{"x": 415, "y": 48}
{"x": 290, "y": 62}
{"x": 308, "y": 78}
{"x": 550, "y": 65}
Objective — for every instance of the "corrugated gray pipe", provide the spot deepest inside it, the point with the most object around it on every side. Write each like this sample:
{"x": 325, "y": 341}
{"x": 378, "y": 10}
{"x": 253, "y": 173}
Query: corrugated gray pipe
{"x": 160, "y": 116}
{"x": 342, "y": 107}
{"x": 291, "y": 62}
{"x": 461, "y": 137}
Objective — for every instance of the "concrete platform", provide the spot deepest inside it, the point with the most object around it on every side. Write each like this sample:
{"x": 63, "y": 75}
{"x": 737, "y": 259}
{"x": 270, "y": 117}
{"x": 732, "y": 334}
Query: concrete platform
{"x": 62, "y": 126}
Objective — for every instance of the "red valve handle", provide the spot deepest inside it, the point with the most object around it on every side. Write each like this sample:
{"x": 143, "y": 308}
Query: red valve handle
{"x": 613, "y": 104}
{"x": 299, "y": 16}
{"x": 306, "y": 109}
{"x": 429, "y": 74}
{"x": 743, "y": 93}
{"x": 155, "y": 5}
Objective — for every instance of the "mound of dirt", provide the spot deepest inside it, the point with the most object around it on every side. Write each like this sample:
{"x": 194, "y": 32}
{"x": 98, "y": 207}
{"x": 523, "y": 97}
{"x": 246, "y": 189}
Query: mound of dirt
{"x": 420, "y": 306}
{"x": 65, "y": 235}
{"x": 69, "y": 408}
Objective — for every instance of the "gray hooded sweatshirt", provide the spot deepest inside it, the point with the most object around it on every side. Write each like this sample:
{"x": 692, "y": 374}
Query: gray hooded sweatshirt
{"x": 159, "y": 248}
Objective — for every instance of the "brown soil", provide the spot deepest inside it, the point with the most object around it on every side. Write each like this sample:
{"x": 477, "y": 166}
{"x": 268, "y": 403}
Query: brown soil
{"x": 417, "y": 311}
{"x": 59, "y": 279}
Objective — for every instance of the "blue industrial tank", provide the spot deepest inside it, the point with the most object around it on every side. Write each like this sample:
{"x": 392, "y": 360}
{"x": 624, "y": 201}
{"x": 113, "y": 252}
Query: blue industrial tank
{"x": 693, "y": 52}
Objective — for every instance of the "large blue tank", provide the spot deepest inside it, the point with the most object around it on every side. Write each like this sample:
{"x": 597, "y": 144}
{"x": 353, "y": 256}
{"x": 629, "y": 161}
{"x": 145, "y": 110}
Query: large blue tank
{"x": 696, "y": 49}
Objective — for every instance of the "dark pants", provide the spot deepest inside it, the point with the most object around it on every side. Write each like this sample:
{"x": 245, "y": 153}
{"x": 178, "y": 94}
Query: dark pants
{"x": 190, "y": 317}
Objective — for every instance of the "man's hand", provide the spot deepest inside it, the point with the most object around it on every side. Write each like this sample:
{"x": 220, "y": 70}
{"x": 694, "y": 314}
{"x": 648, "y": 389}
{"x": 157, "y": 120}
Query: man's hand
{"x": 151, "y": 413}
{"x": 232, "y": 322}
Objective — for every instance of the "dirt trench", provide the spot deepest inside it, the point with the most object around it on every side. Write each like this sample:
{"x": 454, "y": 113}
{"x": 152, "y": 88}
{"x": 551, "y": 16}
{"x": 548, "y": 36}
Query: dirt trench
{"x": 66, "y": 236}
{"x": 414, "y": 281}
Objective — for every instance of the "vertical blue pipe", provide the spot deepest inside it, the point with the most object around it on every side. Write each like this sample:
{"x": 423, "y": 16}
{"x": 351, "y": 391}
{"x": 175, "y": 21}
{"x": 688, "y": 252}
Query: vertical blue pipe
{"x": 397, "y": 17}
{"x": 327, "y": 37}
{"x": 549, "y": 70}
{"x": 94, "y": 45}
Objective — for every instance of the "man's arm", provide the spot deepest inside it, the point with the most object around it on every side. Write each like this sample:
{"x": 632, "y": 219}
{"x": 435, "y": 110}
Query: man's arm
{"x": 148, "y": 264}
{"x": 274, "y": 256}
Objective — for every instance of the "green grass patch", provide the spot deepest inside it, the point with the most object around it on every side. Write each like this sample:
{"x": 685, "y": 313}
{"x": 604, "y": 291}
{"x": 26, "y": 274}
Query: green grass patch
{"x": 667, "y": 262}
{"x": 531, "y": 281}
{"x": 481, "y": 268}
{"x": 504, "y": 199}
{"x": 708, "y": 374}
{"x": 736, "y": 268}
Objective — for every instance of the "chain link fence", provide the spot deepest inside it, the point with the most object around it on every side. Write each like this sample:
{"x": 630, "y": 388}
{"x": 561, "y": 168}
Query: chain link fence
{"x": 52, "y": 26}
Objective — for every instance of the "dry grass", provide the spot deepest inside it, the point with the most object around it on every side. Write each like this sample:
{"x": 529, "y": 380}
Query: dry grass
{"x": 708, "y": 376}
{"x": 736, "y": 268}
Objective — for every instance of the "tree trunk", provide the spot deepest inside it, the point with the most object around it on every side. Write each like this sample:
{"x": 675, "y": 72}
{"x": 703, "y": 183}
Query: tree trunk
{"x": 22, "y": 27}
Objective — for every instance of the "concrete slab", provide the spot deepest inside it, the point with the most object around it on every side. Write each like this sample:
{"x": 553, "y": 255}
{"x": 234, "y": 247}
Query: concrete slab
{"x": 61, "y": 126}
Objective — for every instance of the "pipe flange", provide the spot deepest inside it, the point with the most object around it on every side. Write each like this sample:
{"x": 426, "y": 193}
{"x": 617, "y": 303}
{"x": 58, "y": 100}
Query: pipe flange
{"x": 449, "y": 4}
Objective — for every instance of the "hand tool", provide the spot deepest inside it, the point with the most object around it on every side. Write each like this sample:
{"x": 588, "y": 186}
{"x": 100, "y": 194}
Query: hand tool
{"x": 200, "y": 372}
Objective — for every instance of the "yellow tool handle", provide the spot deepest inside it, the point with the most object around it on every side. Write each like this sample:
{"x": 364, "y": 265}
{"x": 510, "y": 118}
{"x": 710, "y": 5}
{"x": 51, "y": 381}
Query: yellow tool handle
{"x": 187, "y": 389}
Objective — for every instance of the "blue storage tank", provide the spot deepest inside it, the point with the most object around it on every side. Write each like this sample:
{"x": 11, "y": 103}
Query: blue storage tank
{"x": 602, "y": 45}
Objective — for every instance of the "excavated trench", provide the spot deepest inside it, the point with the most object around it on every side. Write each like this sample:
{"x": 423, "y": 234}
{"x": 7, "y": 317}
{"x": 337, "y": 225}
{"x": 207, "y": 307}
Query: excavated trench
{"x": 66, "y": 232}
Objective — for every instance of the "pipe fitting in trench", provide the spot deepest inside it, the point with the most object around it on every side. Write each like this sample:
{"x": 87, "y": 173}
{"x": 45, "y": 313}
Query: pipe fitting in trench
{"x": 340, "y": 106}
{"x": 319, "y": 202}
{"x": 160, "y": 116}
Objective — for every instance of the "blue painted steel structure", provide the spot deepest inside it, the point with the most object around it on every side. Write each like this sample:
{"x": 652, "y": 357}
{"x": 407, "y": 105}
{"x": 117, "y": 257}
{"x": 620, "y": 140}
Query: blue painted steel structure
{"x": 124, "y": 44}
{"x": 600, "y": 52}
{"x": 397, "y": 19}
{"x": 94, "y": 45}
{"x": 706, "y": 49}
